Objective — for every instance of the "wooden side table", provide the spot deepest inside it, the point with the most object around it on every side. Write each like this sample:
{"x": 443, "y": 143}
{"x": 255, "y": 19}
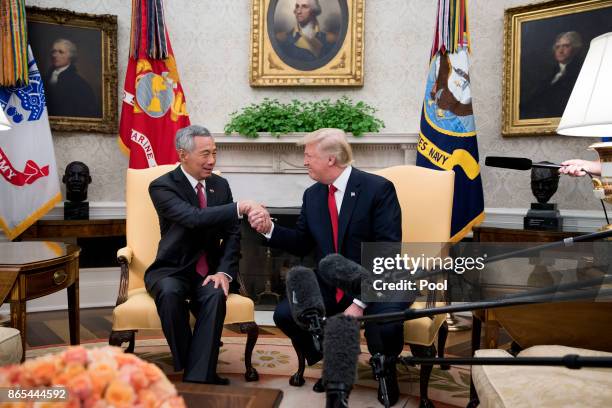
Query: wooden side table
{"x": 42, "y": 268}
{"x": 491, "y": 234}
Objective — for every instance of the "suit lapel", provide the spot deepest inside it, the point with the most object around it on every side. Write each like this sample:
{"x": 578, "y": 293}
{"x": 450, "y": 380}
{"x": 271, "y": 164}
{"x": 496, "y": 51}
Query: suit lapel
{"x": 349, "y": 201}
{"x": 184, "y": 187}
{"x": 212, "y": 195}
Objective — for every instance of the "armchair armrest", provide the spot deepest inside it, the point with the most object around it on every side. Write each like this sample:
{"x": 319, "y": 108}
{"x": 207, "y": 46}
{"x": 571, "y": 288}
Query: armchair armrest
{"x": 125, "y": 254}
{"x": 124, "y": 257}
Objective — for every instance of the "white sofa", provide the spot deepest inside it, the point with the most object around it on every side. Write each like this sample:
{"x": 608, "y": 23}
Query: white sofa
{"x": 10, "y": 346}
{"x": 543, "y": 386}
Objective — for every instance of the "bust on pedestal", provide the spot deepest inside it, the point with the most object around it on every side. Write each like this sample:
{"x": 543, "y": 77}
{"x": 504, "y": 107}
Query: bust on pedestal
{"x": 543, "y": 215}
{"x": 76, "y": 178}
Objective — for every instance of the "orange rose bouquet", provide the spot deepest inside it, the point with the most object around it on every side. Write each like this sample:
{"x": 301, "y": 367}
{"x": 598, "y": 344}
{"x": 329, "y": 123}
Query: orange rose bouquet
{"x": 96, "y": 378}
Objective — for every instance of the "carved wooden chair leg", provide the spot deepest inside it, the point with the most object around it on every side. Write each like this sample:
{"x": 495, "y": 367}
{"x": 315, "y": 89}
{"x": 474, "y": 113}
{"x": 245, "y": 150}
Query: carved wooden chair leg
{"x": 297, "y": 379}
{"x": 117, "y": 338}
{"x": 425, "y": 372}
{"x": 252, "y": 331}
{"x": 442, "y": 335}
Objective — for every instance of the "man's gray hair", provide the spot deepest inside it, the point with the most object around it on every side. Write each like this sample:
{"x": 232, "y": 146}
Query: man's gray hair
{"x": 72, "y": 48}
{"x": 316, "y": 7}
{"x": 573, "y": 37}
{"x": 184, "y": 137}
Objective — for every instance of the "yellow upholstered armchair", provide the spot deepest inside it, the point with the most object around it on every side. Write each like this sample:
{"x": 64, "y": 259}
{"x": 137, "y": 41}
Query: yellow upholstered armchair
{"x": 135, "y": 309}
{"x": 426, "y": 199}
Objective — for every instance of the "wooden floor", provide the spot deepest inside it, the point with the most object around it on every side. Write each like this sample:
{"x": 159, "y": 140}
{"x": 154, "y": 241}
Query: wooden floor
{"x": 51, "y": 328}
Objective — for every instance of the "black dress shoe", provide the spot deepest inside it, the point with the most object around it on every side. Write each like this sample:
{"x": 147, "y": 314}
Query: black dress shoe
{"x": 217, "y": 380}
{"x": 426, "y": 403}
{"x": 392, "y": 390}
{"x": 319, "y": 387}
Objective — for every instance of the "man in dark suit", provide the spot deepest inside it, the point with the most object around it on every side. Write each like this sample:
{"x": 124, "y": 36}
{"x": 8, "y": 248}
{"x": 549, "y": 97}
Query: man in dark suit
{"x": 197, "y": 257}
{"x": 306, "y": 41}
{"x": 68, "y": 94}
{"x": 345, "y": 208}
{"x": 551, "y": 94}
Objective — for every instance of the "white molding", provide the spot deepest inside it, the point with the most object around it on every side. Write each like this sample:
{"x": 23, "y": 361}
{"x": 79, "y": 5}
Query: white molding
{"x": 293, "y": 138}
{"x": 578, "y": 220}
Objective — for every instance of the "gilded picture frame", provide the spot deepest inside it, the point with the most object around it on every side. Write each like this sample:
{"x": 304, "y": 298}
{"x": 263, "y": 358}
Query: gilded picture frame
{"x": 80, "y": 96}
{"x": 328, "y": 51}
{"x": 544, "y": 47}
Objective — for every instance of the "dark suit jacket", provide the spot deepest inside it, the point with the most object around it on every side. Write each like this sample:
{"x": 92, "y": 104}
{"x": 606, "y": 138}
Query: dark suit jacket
{"x": 370, "y": 212}
{"x": 187, "y": 229}
{"x": 71, "y": 95}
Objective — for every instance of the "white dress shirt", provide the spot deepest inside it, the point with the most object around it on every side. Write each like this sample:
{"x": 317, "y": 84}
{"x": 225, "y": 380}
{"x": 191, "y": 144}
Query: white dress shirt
{"x": 194, "y": 183}
{"x": 55, "y": 74}
{"x": 340, "y": 184}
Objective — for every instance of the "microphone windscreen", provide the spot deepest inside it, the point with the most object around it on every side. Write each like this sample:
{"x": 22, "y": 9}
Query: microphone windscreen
{"x": 339, "y": 272}
{"x": 304, "y": 294}
{"x": 514, "y": 163}
{"x": 340, "y": 350}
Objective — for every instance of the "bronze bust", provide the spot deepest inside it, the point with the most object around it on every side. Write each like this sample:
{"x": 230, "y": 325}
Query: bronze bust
{"x": 76, "y": 178}
{"x": 544, "y": 183}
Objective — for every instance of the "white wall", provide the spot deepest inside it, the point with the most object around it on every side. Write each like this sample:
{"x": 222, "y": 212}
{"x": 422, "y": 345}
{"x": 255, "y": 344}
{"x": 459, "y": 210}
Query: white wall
{"x": 211, "y": 44}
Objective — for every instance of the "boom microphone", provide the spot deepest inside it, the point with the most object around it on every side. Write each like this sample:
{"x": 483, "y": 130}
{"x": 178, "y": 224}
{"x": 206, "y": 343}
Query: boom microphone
{"x": 306, "y": 302}
{"x": 339, "y": 272}
{"x": 517, "y": 163}
{"x": 341, "y": 349}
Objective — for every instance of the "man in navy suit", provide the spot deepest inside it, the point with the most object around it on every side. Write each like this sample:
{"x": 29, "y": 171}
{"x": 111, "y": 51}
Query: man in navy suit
{"x": 197, "y": 257}
{"x": 345, "y": 208}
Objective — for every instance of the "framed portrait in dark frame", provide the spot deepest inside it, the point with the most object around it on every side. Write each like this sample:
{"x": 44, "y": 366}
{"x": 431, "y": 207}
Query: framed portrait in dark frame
{"x": 307, "y": 43}
{"x": 76, "y": 54}
{"x": 544, "y": 47}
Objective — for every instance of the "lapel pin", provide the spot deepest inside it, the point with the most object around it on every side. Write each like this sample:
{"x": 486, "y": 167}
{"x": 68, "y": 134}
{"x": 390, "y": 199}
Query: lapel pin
{"x": 352, "y": 194}
{"x": 211, "y": 190}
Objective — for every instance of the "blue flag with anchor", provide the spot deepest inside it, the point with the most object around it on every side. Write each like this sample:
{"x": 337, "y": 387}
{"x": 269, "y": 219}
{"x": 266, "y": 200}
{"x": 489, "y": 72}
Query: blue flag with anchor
{"x": 447, "y": 139}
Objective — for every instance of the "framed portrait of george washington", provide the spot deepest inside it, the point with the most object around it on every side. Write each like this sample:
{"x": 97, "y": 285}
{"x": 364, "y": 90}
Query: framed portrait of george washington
{"x": 76, "y": 54}
{"x": 307, "y": 43}
{"x": 544, "y": 47}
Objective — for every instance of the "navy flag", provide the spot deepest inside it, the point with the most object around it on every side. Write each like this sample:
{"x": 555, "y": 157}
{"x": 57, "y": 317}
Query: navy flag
{"x": 447, "y": 139}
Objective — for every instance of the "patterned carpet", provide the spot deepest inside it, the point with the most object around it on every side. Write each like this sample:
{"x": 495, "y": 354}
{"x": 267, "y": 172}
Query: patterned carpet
{"x": 273, "y": 357}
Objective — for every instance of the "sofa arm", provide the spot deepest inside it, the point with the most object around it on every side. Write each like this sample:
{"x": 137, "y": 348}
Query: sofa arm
{"x": 125, "y": 254}
{"x": 124, "y": 257}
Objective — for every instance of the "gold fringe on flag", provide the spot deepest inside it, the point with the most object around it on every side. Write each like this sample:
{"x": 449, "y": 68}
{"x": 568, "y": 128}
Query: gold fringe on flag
{"x": 148, "y": 26}
{"x": 13, "y": 43}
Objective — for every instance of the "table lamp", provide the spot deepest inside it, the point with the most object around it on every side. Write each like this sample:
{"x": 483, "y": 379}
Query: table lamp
{"x": 588, "y": 112}
{"x": 4, "y": 122}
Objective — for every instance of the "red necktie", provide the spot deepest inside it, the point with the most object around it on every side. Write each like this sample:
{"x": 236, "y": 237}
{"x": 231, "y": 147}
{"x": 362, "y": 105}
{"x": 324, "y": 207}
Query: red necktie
{"x": 202, "y": 265}
{"x": 333, "y": 215}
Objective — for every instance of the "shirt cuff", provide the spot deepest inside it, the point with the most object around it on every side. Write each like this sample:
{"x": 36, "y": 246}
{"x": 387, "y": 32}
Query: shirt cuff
{"x": 269, "y": 234}
{"x": 238, "y": 210}
{"x": 359, "y": 303}
{"x": 228, "y": 276}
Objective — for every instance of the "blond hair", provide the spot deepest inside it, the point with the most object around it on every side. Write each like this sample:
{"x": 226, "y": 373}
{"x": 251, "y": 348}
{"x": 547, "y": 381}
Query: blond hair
{"x": 331, "y": 141}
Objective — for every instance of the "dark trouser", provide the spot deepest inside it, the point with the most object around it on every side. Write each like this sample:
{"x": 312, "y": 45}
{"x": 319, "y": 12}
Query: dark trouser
{"x": 387, "y": 338}
{"x": 196, "y": 352}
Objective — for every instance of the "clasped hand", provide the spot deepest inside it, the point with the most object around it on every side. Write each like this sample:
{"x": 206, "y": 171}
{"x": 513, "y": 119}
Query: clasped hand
{"x": 258, "y": 216}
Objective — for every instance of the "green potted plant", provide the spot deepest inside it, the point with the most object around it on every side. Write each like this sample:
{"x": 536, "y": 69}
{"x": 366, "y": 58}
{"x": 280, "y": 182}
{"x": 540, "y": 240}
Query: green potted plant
{"x": 296, "y": 116}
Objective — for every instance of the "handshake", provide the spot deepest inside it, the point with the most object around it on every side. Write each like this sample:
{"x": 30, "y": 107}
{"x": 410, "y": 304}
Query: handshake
{"x": 259, "y": 217}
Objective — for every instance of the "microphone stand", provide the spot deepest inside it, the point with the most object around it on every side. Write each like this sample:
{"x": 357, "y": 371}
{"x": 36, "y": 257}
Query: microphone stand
{"x": 411, "y": 314}
{"x": 378, "y": 370}
{"x": 571, "y": 361}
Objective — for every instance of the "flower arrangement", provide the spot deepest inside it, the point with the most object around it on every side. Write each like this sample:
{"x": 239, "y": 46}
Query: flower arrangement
{"x": 96, "y": 378}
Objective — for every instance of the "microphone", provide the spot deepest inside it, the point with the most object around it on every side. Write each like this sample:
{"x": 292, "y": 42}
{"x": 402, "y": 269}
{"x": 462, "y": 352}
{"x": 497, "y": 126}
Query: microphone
{"x": 339, "y": 272}
{"x": 341, "y": 349}
{"x": 306, "y": 302}
{"x": 517, "y": 163}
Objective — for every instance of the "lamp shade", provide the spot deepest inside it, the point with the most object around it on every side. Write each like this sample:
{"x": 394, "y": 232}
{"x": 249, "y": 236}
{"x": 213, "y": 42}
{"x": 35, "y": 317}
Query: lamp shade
{"x": 4, "y": 122}
{"x": 589, "y": 111}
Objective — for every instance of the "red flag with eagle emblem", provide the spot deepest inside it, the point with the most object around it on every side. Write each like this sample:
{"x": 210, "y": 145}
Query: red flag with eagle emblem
{"x": 153, "y": 100}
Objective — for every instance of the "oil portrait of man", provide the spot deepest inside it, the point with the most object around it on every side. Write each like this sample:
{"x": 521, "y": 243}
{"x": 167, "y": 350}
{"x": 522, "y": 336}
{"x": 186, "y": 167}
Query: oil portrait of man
{"x": 307, "y": 34}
